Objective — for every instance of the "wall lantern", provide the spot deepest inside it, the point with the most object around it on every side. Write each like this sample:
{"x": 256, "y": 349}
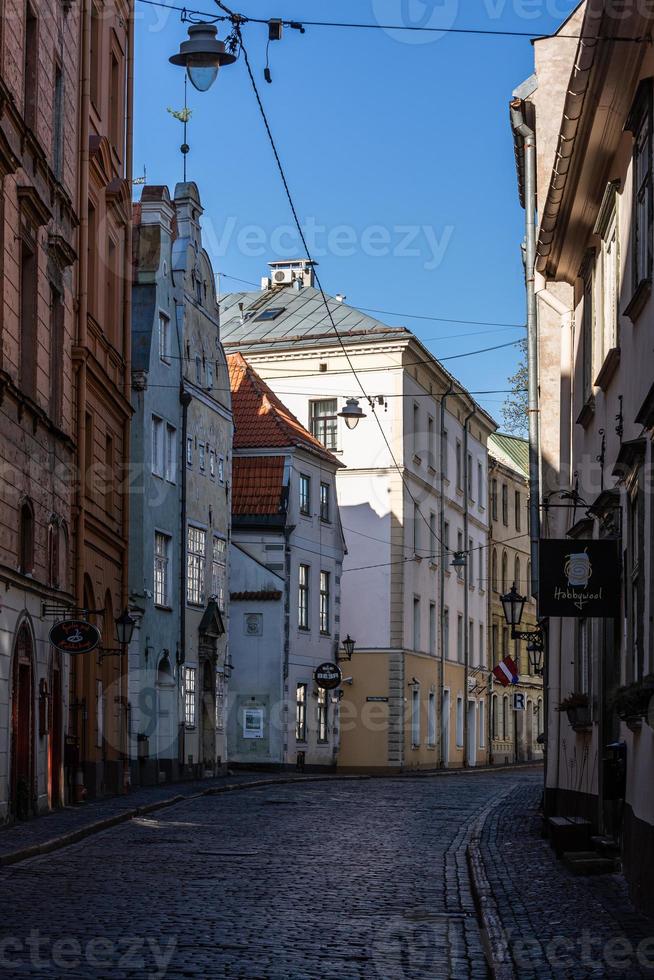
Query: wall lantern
{"x": 513, "y": 604}
{"x": 348, "y": 646}
{"x": 460, "y": 560}
{"x": 352, "y": 413}
{"x": 202, "y": 55}
{"x": 124, "y": 629}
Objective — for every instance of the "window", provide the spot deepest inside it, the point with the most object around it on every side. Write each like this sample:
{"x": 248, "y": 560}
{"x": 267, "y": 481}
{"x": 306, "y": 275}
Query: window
{"x": 446, "y": 541}
{"x": 642, "y": 188}
{"x": 26, "y": 538}
{"x": 27, "y": 314}
{"x": 108, "y": 474}
{"x": 323, "y": 707}
{"x": 471, "y": 495}
{"x": 158, "y": 446}
{"x": 482, "y": 649}
{"x": 30, "y": 68}
{"x": 505, "y": 505}
{"x": 583, "y": 656}
{"x": 480, "y": 486}
{"x": 212, "y": 464}
{"x": 444, "y": 461}
{"x": 189, "y": 451}
{"x": 189, "y": 697}
{"x": 459, "y": 722}
{"x": 431, "y": 447}
{"x": 494, "y": 570}
{"x": 588, "y": 325}
{"x": 198, "y": 369}
{"x": 416, "y": 529}
{"x": 195, "y": 563}
{"x": 431, "y": 720}
{"x": 469, "y": 559}
{"x": 482, "y": 725}
{"x": 303, "y": 597}
{"x": 416, "y": 622}
{"x": 518, "y": 513}
{"x": 270, "y": 314}
{"x": 324, "y": 503}
{"x": 54, "y": 563}
{"x": 505, "y": 572}
{"x": 209, "y": 375}
{"x": 459, "y": 548}
{"x": 505, "y": 641}
{"x": 459, "y": 638}
{"x": 415, "y": 716}
{"x": 459, "y": 472}
{"x": 202, "y": 450}
{"x": 58, "y": 123}
{"x": 446, "y": 632}
{"x": 162, "y": 546}
{"x": 416, "y": 430}
{"x": 324, "y": 602}
{"x": 221, "y": 469}
{"x": 56, "y": 355}
{"x": 116, "y": 103}
{"x": 471, "y": 643}
{"x": 324, "y": 421}
{"x": 96, "y": 53}
{"x": 218, "y": 570}
{"x": 480, "y": 574}
{"x": 506, "y": 731}
{"x": 433, "y": 536}
{"x": 301, "y": 713}
{"x": 92, "y": 258}
{"x": 171, "y": 453}
{"x": 432, "y": 628}
{"x": 516, "y": 575}
{"x": 494, "y": 499}
{"x": 495, "y": 634}
{"x": 607, "y": 229}
{"x": 164, "y": 338}
{"x": 495, "y": 721}
{"x": 305, "y": 495}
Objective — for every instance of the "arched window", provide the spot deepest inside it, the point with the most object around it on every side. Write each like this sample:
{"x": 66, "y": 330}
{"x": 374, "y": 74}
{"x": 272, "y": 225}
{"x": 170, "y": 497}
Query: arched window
{"x": 505, "y": 572}
{"x": 494, "y": 570}
{"x": 53, "y": 552}
{"x": 26, "y": 542}
{"x": 516, "y": 576}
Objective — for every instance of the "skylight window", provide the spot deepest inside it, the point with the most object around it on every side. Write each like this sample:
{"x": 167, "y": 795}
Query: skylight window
{"x": 270, "y": 314}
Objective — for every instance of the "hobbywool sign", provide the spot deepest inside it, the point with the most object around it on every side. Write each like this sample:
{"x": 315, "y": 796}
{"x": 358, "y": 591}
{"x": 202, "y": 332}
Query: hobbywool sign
{"x": 579, "y": 578}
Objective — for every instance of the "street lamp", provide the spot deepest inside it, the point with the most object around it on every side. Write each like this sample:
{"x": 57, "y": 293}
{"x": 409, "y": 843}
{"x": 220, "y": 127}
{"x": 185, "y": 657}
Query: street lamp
{"x": 352, "y": 413}
{"x": 513, "y": 604}
{"x": 202, "y": 55}
{"x": 348, "y": 646}
{"x": 125, "y": 628}
{"x": 460, "y": 560}
{"x": 535, "y": 653}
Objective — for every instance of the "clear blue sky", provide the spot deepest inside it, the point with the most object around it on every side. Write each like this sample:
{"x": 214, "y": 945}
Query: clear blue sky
{"x": 398, "y": 152}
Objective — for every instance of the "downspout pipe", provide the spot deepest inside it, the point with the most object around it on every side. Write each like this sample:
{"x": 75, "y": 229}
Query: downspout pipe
{"x": 525, "y": 139}
{"x": 444, "y": 559}
{"x": 466, "y": 587}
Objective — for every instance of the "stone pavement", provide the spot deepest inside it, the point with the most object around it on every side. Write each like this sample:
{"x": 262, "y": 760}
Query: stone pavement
{"x": 321, "y": 880}
{"x": 555, "y": 924}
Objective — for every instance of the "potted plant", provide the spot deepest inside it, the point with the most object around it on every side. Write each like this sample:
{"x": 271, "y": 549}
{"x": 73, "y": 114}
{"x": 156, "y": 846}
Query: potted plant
{"x": 631, "y": 701}
{"x": 577, "y": 708}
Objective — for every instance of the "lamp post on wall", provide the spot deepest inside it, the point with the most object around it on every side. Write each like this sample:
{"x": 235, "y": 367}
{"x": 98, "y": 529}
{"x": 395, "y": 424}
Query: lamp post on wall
{"x": 513, "y": 605}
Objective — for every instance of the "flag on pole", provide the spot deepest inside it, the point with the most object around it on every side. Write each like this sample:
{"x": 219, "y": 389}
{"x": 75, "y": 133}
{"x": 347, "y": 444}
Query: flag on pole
{"x": 506, "y": 672}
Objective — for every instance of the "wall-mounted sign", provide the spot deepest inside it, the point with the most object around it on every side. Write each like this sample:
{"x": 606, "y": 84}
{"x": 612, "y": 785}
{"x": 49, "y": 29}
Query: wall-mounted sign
{"x": 519, "y": 703}
{"x": 253, "y": 723}
{"x": 377, "y": 697}
{"x": 74, "y": 636}
{"x": 328, "y": 676}
{"x": 253, "y": 623}
{"x": 579, "y": 578}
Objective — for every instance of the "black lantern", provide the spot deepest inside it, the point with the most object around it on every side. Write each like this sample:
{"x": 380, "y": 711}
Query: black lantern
{"x": 124, "y": 629}
{"x": 459, "y": 560}
{"x": 513, "y": 604}
{"x": 202, "y": 55}
{"x": 535, "y": 653}
{"x": 348, "y": 646}
{"x": 352, "y": 413}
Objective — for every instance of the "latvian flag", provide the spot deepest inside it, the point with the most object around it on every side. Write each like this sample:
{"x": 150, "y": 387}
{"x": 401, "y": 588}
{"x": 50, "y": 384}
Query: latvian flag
{"x": 506, "y": 672}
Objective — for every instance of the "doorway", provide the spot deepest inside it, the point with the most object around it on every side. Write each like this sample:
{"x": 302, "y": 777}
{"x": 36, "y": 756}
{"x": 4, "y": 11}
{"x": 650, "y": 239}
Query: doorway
{"x": 22, "y": 727}
{"x": 208, "y": 720}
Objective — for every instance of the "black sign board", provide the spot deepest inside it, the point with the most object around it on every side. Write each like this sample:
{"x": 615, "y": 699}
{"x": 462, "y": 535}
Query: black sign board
{"x": 579, "y": 578}
{"x": 74, "y": 636}
{"x": 328, "y": 676}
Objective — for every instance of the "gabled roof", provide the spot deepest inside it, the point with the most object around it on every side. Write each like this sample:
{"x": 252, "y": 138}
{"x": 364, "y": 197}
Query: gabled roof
{"x": 261, "y": 420}
{"x": 257, "y": 486}
{"x": 511, "y": 451}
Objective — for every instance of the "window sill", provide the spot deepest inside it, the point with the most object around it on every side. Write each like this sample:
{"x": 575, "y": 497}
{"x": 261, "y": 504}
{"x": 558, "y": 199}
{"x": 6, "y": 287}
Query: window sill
{"x": 586, "y": 414}
{"x": 305, "y": 513}
{"x": 638, "y": 301}
{"x": 325, "y": 633}
{"x": 163, "y": 607}
{"x": 304, "y": 629}
{"x": 608, "y": 368}
{"x": 325, "y": 520}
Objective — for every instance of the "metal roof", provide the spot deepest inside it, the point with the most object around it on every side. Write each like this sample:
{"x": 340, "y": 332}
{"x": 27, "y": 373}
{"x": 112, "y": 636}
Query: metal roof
{"x": 511, "y": 451}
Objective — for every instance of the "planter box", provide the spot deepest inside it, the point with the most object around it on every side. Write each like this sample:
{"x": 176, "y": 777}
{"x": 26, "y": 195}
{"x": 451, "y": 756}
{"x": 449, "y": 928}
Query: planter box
{"x": 579, "y": 718}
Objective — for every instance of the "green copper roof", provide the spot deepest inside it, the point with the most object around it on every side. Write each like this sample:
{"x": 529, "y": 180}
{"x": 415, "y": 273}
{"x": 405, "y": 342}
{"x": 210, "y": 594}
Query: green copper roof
{"x": 512, "y": 451}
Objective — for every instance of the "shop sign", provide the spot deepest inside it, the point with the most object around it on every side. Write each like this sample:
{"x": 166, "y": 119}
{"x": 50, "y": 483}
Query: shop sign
{"x": 579, "y": 578}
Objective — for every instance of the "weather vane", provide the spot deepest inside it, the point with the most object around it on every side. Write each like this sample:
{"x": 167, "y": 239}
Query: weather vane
{"x": 183, "y": 115}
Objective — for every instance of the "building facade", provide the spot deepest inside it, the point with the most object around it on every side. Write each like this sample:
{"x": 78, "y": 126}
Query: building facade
{"x": 289, "y": 546}
{"x": 416, "y": 621}
{"x": 514, "y": 733}
{"x": 39, "y": 79}
{"x": 180, "y": 497}
{"x": 590, "y": 103}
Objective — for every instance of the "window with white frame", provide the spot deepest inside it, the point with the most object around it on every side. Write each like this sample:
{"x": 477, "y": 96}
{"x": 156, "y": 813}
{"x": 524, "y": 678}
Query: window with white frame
{"x": 323, "y": 708}
{"x": 480, "y": 486}
{"x": 171, "y": 453}
{"x": 607, "y": 228}
{"x": 459, "y": 466}
{"x": 433, "y": 536}
{"x": 416, "y": 529}
{"x": 470, "y": 558}
{"x": 212, "y": 464}
{"x": 218, "y": 570}
{"x": 162, "y": 549}
{"x": 444, "y": 461}
{"x": 189, "y": 451}
{"x": 446, "y": 632}
{"x": 189, "y": 697}
{"x": 480, "y": 568}
{"x": 221, "y": 469}
{"x": 459, "y": 548}
{"x": 198, "y": 369}
{"x": 416, "y": 622}
{"x": 471, "y": 643}
{"x": 323, "y": 418}
{"x": 415, "y": 716}
{"x": 325, "y": 508}
{"x": 431, "y": 720}
{"x": 471, "y": 495}
{"x": 432, "y": 628}
{"x": 324, "y": 602}
{"x": 431, "y": 446}
{"x": 164, "y": 338}
{"x": 158, "y": 446}
{"x": 195, "y": 562}
{"x": 301, "y": 713}
{"x": 459, "y": 638}
{"x": 305, "y": 495}
{"x": 209, "y": 375}
{"x": 202, "y": 455}
{"x": 303, "y": 597}
{"x": 459, "y": 722}
{"x": 482, "y": 648}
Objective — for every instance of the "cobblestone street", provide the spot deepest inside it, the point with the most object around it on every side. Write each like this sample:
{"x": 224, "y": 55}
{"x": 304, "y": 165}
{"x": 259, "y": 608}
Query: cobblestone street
{"x": 336, "y": 879}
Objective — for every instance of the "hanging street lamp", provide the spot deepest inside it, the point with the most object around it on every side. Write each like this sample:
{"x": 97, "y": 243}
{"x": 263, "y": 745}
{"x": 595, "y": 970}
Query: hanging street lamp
{"x": 352, "y": 413}
{"x": 513, "y": 604}
{"x": 202, "y": 56}
{"x": 459, "y": 560}
{"x": 348, "y": 646}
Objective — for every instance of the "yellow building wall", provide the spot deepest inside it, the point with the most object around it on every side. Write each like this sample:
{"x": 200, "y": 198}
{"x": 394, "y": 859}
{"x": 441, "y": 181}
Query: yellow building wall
{"x": 364, "y": 724}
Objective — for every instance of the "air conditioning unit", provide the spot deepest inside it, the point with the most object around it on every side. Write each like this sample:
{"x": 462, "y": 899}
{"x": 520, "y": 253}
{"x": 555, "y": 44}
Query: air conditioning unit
{"x": 283, "y": 277}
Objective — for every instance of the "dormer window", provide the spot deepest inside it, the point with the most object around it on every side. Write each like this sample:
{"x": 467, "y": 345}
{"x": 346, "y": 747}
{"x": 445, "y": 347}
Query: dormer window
{"x": 270, "y": 314}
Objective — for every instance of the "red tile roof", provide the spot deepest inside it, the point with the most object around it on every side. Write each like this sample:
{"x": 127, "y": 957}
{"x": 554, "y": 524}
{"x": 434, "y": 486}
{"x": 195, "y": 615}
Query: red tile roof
{"x": 257, "y": 485}
{"x": 261, "y": 420}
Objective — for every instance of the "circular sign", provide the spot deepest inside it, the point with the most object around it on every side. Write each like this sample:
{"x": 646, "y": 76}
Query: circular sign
{"x": 74, "y": 636}
{"x": 328, "y": 676}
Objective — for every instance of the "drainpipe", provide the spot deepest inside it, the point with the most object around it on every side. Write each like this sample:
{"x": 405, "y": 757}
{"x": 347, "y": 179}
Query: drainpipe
{"x": 444, "y": 558}
{"x": 526, "y": 141}
{"x": 466, "y": 589}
